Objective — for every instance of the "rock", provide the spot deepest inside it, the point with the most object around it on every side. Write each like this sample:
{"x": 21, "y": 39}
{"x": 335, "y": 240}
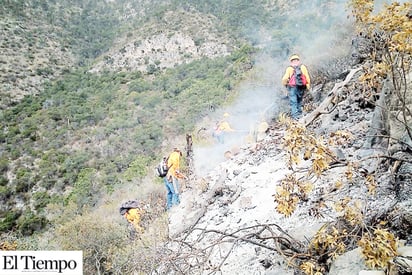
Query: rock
{"x": 347, "y": 264}
{"x": 405, "y": 251}
{"x": 340, "y": 155}
{"x": 266, "y": 263}
{"x": 401, "y": 217}
{"x": 228, "y": 154}
{"x": 306, "y": 232}
{"x": 245, "y": 202}
{"x": 401, "y": 264}
{"x": 371, "y": 272}
{"x": 235, "y": 150}
{"x": 237, "y": 172}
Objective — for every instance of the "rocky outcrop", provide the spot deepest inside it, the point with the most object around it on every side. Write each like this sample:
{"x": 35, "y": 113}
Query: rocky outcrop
{"x": 180, "y": 37}
{"x": 159, "y": 51}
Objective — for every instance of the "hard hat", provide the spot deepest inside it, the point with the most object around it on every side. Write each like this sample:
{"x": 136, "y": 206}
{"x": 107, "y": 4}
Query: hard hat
{"x": 225, "y": 115}
{"x": 295, "y": 56}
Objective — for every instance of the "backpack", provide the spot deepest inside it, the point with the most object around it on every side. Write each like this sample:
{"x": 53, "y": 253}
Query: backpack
{"x": 161, "y": 168}
{"x": 128, "y": 205}
{"x": 298, "y": 79}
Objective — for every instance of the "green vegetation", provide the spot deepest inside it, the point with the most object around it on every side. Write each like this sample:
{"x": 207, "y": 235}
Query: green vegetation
{"x": 86, "y": 132}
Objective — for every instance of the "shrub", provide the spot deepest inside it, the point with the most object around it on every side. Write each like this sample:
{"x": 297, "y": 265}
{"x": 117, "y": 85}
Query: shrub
{"x": 4, "y": 163}
{"x": 137, "y": 168}
{"x": 85, "y": 188}
{"x": 29, "y": 222}
{"x": 3, "y": 180}
{"x": 40, "y": 199}
{"x": 23, "y": 181}
{"x": 96, "y": 237}
{"x": 5, "y": 192}
{"x": 152, "y": 69}
{"x": 8, "y": 221}
{"x": 138, "y": 85}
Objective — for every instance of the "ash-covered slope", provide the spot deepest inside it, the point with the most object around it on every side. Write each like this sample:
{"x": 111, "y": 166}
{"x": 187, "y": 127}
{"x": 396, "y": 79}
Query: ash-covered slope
{"x": 228, "y": 223}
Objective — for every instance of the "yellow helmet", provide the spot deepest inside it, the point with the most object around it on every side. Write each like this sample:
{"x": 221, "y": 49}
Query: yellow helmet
{"x": 295, "y": 56}
{"x": 226, "y": 115}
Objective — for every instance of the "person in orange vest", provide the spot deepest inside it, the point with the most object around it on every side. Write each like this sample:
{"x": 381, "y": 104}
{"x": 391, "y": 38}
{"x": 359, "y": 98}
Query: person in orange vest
{"x": 296, "y": 90}
{"x": 173, "y": 174}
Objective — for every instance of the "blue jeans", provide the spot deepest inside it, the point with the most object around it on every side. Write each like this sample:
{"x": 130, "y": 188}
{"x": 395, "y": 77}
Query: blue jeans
{"x": 172, "y": 197}
{"x": 295, "y": 101}
{"x": 219, "y": 137}
{"x": 176, "y": 199}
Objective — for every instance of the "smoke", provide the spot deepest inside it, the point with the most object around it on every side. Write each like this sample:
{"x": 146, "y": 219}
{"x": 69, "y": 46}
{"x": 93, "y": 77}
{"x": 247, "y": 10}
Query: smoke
{"x": 315, "y": 30}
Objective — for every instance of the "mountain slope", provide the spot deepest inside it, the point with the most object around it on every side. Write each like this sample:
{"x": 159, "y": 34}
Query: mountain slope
{"x": 180, "y": 37}
{"x": 88, "y": 140}
{"x": 233, "y": 221}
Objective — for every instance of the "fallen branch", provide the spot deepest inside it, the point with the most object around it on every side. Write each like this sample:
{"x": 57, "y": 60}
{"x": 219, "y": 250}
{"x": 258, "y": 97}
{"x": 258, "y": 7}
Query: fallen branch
{"x": 324, "y": 106}
{"x": 198, "y": 256}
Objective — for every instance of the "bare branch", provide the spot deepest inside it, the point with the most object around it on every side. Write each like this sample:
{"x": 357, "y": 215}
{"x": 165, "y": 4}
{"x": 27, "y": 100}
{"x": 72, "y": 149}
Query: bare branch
{"x": 323, "y": 107}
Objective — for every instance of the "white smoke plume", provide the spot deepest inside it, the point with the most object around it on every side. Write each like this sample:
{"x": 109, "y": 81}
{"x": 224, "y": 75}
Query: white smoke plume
{"x": 261, "y": 95}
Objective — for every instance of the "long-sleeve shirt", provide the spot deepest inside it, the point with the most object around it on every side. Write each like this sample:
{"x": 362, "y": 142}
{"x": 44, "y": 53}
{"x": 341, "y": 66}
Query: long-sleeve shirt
{"x": 174, "y": 163}
{"x": 225, "y": 127}
{"x": 289, "y": 72}
{"x": 133, "y": 216}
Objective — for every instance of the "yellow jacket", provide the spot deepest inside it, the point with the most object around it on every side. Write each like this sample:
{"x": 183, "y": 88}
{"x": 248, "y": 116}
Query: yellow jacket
{"x": 133, "y": 216}
{"x": 173, "y": 163}
{"x": 225, "y": 127}
{"x": 289, "y": 72}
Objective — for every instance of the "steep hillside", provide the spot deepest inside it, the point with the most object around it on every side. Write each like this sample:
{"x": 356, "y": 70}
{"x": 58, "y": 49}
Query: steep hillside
{"x": 43, "y": 39}
{"x": 328, "y": 194}
{"x": 298, "y": 198}
{"x": 179, "y": 37}
{"x": 31, "y": 55}
{"x": 120, "y": 83}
